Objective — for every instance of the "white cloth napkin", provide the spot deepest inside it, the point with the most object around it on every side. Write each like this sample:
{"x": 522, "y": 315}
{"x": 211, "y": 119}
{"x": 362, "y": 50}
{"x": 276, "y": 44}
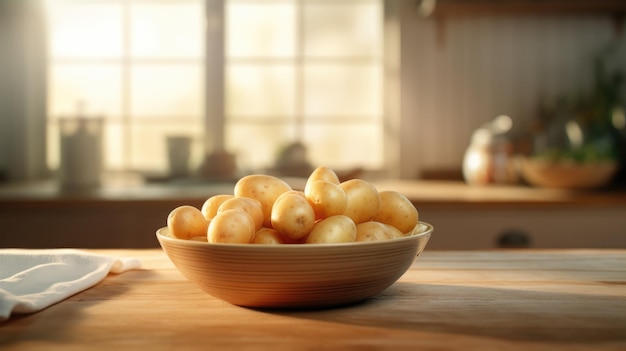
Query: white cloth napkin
{"x": 33, "y": 279}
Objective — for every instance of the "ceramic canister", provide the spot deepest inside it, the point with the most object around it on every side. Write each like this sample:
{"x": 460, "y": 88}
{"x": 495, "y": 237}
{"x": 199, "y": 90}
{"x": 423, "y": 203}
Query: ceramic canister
{"x": 81, "y": 151}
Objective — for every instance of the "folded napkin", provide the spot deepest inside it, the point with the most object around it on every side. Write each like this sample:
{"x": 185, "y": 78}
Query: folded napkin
{"x": 33, "y": 279}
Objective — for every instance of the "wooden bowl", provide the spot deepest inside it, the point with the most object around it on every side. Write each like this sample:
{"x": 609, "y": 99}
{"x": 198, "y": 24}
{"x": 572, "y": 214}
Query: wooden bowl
{"x": 566, "y": 175}
{"x": 295, "y": 275}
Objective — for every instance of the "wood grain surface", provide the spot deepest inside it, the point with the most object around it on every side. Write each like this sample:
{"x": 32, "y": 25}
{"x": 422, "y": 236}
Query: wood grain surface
{"x": 448, "y": 300}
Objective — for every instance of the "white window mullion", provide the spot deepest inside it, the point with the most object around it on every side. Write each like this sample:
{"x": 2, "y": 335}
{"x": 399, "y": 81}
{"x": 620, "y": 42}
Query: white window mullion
{"x": 214, "y": 76}
{"x": 126, "y": 89}
{"x": 300, "y": 61}
{"x": 393, "y": 134}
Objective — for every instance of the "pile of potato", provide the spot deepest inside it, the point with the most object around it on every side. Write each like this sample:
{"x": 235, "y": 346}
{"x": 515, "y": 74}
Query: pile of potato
{"x": 264, "y": 209}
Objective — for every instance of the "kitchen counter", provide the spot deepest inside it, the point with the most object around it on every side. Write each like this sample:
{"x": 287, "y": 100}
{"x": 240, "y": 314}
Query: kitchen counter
{"x": 448, "y": 300}
{"x": 433, "y": 193}
{"x": 127, "y": 213}
{"x": 430, "y": 193}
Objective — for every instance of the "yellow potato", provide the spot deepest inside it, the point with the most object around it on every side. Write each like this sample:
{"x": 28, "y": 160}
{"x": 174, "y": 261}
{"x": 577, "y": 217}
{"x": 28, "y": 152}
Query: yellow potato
{"x": 211, "y": 205}
{"x": 373, "y": 231}
{"x": 397, "y": 210}
{"x": 268, "y": 236}
{"x": 327, "y": 198}
{"x": 296, "y": 192}
{"x": 393, "y": 231}
{"x": 334, "y": 229}
{"x": 321, "y": 173}
{"x": 250, "y": 206}
{"x": 292, "y": 215}
{"x": 186, "y": 222}
{"x": 363, "y": 200}
{"x": 264, "y": 209}
{"x": 265, "y": 189}
{"x": 232, "y": 227}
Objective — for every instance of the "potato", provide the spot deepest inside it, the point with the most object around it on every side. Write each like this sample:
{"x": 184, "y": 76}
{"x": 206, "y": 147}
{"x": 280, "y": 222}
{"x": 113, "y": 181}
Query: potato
{"x": 231, "y": 226}
{"x": 373, "y": 231}
{"x": 249, "y": 205}
{"x": 265, "y": 189}
{"x": 327, "y": 198}
{"x": 264, "y": 209}
{"x": 268, "y": 236}
{"x": 211, "y": 205}
{"x": 295, "y": 192}
{"x": 321, "y": 173}
{"x": 334, "y": 229}
{"x": 186, "y": 222}
{"x": 292, "y": 215}
{"x": 393, "y": 231}
{"x": 363, "y": 200}
{"x": 397, "y": 210}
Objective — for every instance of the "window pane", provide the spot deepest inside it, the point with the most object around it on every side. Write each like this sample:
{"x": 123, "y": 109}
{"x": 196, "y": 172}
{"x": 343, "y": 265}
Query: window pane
{"x": 167, "y": 30}
{"x": 343, "y": 146}
{"x": 334, "y": 90}
{"x": 148, "y": 145}
{"x": 263, "y": 29}
{"x": 260, "y": 90}
{"x": 167, "y": 91}
{"x": 98, "y": 86}
{"x": 85, "y": 30}
{"x": 342, "y": 29}
{"x": 257, "y": 145}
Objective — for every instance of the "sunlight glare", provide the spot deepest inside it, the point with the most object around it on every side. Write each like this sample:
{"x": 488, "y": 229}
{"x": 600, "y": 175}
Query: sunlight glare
{"x": 75, "y": 32}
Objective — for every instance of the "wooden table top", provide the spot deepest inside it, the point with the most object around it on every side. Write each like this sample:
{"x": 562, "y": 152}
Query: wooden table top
{"x": 449, "y": 300}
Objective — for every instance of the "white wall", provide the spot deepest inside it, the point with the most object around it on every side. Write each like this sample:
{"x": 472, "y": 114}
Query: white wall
{"x": 485, "y": 66}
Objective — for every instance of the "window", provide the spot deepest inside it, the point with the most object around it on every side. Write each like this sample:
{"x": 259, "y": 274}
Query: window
{"x": 293, "y": 70}
{"x": 138, "y": 63}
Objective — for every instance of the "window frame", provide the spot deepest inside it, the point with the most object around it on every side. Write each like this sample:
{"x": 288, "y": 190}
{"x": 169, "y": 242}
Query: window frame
{"x": 216, "y": 61}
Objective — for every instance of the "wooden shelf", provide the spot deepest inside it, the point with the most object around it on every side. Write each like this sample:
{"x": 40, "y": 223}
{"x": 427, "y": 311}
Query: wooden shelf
{"x": 519, "y": 7}
{"x": 445, "y": 9}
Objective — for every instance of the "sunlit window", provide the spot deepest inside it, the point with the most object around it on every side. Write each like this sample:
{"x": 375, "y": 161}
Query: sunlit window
{"x": 294, "y": 70}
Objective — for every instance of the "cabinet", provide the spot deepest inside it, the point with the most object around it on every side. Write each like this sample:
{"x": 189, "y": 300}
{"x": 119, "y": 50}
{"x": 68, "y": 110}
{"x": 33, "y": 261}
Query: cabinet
{"x": 465, "y": 217}
{"x": 41, "y": 216}
{"x": 488, "y": 217}
{"x": 570, "y": 227}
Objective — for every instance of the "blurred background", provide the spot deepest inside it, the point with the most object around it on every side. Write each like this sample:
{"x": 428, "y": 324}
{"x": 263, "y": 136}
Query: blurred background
{"x": 201, "y": 90}
{"x": 394, "y": 86}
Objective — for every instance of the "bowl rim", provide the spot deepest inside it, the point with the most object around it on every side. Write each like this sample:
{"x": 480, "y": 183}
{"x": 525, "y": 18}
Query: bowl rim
{"x": 416, "y": 232}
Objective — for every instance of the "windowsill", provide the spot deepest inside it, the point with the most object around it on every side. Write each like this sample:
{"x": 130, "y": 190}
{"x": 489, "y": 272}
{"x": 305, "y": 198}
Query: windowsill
{"x": 426, "y": 193}
{"x": 118, "y": 190}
